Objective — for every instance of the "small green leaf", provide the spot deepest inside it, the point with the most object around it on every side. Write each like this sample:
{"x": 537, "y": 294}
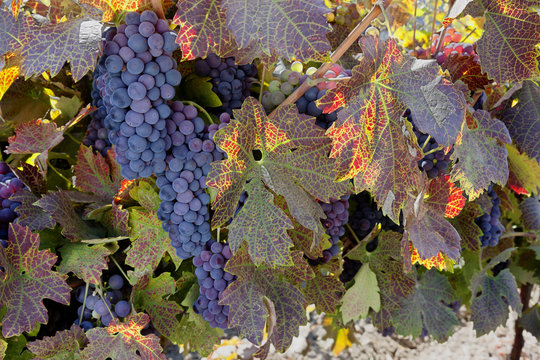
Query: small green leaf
{"x": 199, "y": 90}
{"x": 364, "y": 294}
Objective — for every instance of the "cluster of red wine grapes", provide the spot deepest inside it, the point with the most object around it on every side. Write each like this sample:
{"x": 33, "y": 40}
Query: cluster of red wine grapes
{"x": 97, "y": 310}
{"x": 490, "y": 223}
{"x": 436, "y": 163}
{"x": 212, "y": 280}
{"x": 230, "y": 82}
{"x": 281, "y": 87}
{"x": 184, "y": 203}
{"x": 138, "y": 76}
{"x": 9, "y": 184}
{"x": 451, "y": 46}
{"x": 97, "y": 135}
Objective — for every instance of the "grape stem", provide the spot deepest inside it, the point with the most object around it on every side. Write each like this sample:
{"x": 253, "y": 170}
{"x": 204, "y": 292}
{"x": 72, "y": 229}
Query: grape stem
{"x": 100, "y": 292}
{"x": 84, "y": 304}
{"x": 262, "y": 83}
{"x": 517, "y": 233}
{"x": 335, "y": 56}
{"x": 433, "y": 24}
{"x": 120, "y": 268}
{"x": 158, "y": 8}
{"x": 414, "y": 28}
{"x": 353, "y": 233}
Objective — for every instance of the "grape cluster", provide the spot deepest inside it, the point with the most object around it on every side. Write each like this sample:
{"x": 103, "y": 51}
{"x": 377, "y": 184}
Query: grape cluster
{"x": 9, "y": 184}
{"x": 138, "y": 76}
{"x": 230, "y": 82}
{"x": 112, "y": 305}
{"x": 436, "y": 163}
{"x": 184, "y": 203}
{"x": 366, "y": 215}
{"x": 286, "y": 80}
{"x": 212, "y": 280}
{"x": 451, "y": 46}
{"x": 344, "y": 14}
{"x": 97, "y": 135}
{"x": 490, "y": 223}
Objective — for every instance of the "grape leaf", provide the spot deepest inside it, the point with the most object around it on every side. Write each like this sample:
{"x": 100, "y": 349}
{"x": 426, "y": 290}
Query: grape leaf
{"x": 439, "y": 261}
{"x": 463, "y": 67}
{"x": 64, "y": 345}
{"x": 117, "y": 221}
{"x": 425, "y": 307}
{"x": 149, "y": 241}
{"x": 50, "y": 47}
{"x": 524, "y": 169}
{"x": 123, "y": 341}
{"x": 7, "y": 77}
{"x": 324, "y": 291}
{"x": 149, "y": 294}
{"x": 482, "y": 159}
{"x": 425, "y": 223}
{"x": 37, "y": 136}
{"x": 246, "y": 297}
{"x": 295, "y": 29}
{"x": 364, "y": 294}
{"x": 507, "y": 48}
{"x": 394, "y": 284}
{"x": 467, "y": 229}
{"x": 85, "y": 261}
{"x": 3, "y": 347}
{"x": 530, "y": 321}
{"x": 490, "y": 308}
{"x": 27, "y": 280}
{"x": 294, "y": 164}
{"x": 111, "y": 7}
{"x": 12, "y": 31}
{"x": 16, "y": 348}
{"x": 146, "y": 196}
{"x": 93, "y": 174}
{"x": 31, "y": 177}
{"x": 523, "y": 119}
{"x": 370, "y": 140}
{"x": 29, "y": 214}
{"x": 530, "y": 207}
{"x": 60, "y": 207}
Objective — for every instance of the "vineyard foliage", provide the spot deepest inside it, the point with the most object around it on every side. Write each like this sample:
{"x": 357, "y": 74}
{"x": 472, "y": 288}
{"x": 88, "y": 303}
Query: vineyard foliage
{"x": 411, "y": 94}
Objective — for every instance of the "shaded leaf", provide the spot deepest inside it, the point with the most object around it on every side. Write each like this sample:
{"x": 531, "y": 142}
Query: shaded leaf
{"x": 27, "y": 280}
{"x": 3, "y": 347}
{"x": 117, "y": 221}
{"x": 29, "y": 214}
{"x": 123, "y": 341}
{"x": 464, "y": 67}
{"x": 324, "y": 291}
{"x": 363, "y": 295}
{"x": 481, "y": 156}
{"x": 530, "y": 207}
{"x": 530, "y": 321}
{"x": 85, "y": 261}
{"x": 525, "y": 170}
{"x": 425, "y": 308}
{"x": 64, "y": 345}
{"x": 31, "y": 177}
{"x": 467, "y": 229}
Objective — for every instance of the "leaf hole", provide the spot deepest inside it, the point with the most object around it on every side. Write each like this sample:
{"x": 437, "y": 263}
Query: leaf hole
{"x": 257, "y": 154}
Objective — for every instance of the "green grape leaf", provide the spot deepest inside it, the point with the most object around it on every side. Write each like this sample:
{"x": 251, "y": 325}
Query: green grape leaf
{"x": 199, "y": 90}
{"x": 254, "y": 288}
{"x": 3, "y": 348}
{"x": 363, "y": 295}
{"x": 482, "y": 158}
{"x": 296, "y": 29}
{"x": 117, "y": 221}
{"x": 49, "y": 47}
{"x": 523, "y": 119}
{"x": 324, "y": 291}
{"x": 524, "y": 174}
{"x": 59, "y": 206}
{"x": 530, "y": 208}
{"x": 85, "y": 261}
{"x": 123, "y": 341}
{"x": 490, "y": 308}
{"x": 29, "y": 214}
{"x": 146, "y": 196}
{"x": 425, "y": 307}
{"x": 467, "y": 229}
{"x": 27, "y": 280}
{"x": 149, "y": 242}
{"x": 16, "y": 348}
{"x": 530, "y": 321}
{"x": 294, "y": 164}
{"x": 508, "y": 46}
{"x": 425, "y": 223}
{"x": 149, "y": 294}
{"x": 64, "y": 345}
{"x": 93, "y": 175}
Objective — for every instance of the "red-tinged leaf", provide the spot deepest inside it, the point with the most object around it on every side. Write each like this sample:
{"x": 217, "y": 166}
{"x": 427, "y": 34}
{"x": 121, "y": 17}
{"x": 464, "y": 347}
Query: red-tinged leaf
{"x": 146, "y": 196}
{"x": 463, "y": 67}
{"x": 467, "y": 229}
{"x": 29, "y": 214}
{"x": 490, "y": 308}
{"x": 55, "y": 10}
{"x": 27, "y": 279}
{"x": 149, "y": 242}
{"x": 93, "y": 174}
{"x": 7, "y": 77}
{"x": 445, "y": 197}
{"x": 63, "y": 345}
{"x": 150, "y": 294}
{"x": 111, "y": 7}
{"x": 12, "y": 31}
{"x": 295, "y": 29}
{"x": 117, "y": 221}
{"x": 481, "y": 154}
{"x": 60, "y": 207}
{"x": 49, "y": 47}
{"x": 523, "y": 119}
{"x": 246, "y": 297}
{"x": 294, "y": 164}
{"x": 32, "y": 178}
{"x": 37, "y": 136}
{"x": 439, "y": 261}
{"x": 425, "y": 308}
{"x": 123, "y": 341}
{"x": 507, "y": 48}
{"x": 524, "y": 172}
{"x": 85, "y": 261}
{"x": 325, "y": 292}
{"x": 530, "y": 208}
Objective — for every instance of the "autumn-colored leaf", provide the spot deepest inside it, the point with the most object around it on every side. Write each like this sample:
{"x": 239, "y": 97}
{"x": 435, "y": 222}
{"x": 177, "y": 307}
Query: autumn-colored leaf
{"x": 7, "y": 77}
{"x": 29, "y": 214}
{"x": 117, "y": 221}
{"x": 32, "y": 177}
{"x": 530, "y": 208}
{"x": 63, "y": 345}
{"x": 111, "y": 7}
{"x": 12, "y": 31}
{"x": 464, "y": 67}
{"x": 525, "y": 170}
{"x": 123, "y": 341}
{"x": 27, "y": 279}
{"x": 324, "y": 291}
{"x": 479, "y": 155}
{"x": 467, "y": 229}
{"x": 439, "y": 261}
{"x": 85, "y": 261}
